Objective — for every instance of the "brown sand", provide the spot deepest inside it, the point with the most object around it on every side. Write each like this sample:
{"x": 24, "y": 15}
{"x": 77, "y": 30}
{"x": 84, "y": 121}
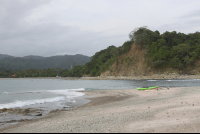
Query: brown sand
{"x": 167, "y": 110}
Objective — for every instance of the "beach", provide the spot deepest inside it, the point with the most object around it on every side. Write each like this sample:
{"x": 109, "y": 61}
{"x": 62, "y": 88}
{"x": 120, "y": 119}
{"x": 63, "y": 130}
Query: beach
{"x": 112, "y": 111}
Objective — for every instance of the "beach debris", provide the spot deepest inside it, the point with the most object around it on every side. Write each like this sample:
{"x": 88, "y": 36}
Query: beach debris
{"x": 4, "y": 110}
{"x": 27, "y": 110}
{"x": 21, "y": 111}
{"x": 38, "y": 115}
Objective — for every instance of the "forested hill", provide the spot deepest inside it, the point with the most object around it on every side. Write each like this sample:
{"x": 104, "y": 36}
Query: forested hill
{"x": 145, "y": 53}
{"x": 38, "y": 62}
{"x": 155, "y": 53}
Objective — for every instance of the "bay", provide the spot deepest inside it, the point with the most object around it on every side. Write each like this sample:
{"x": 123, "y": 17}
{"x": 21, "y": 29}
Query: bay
{"x": 50, "y": 94}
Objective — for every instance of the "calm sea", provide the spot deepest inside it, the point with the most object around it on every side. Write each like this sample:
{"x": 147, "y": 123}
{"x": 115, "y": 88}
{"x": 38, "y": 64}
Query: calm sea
{"x": 50, "y": 94}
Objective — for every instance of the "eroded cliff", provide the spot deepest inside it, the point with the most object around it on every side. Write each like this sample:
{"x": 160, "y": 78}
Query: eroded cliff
{"x": 134, "y": 64}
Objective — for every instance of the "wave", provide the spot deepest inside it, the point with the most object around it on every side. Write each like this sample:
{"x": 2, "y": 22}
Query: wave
{"x": 30, "y": 102}
{"x": 62, "y": 91}
{"x": 11, "y": 93}
{"x": 5, "y": 93}
{"x": 69, "y": 93}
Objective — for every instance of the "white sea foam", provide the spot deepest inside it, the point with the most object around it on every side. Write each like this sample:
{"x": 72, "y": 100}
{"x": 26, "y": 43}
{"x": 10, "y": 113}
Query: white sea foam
{"x": 184, "y": 80}
{"x": 12, "y": 93}
{"x": 30, "y": 102}
{"x": 69, "y": 93}
{"x": 63, "y": 94}
{"x": 5, "y": 93}
{"x": 66, "y": 92}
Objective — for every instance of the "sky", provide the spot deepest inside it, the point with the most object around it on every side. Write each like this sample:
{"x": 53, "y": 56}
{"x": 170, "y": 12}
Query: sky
{"x": 58, "y": 27}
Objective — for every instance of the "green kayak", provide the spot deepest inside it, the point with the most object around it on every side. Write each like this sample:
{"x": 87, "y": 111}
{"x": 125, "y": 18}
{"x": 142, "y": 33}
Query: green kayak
{"x": 147, "y": 88}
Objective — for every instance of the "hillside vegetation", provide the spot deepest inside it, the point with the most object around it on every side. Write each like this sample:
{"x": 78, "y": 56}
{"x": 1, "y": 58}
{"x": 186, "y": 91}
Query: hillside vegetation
{"x": 170, "y": 49}
{"x": 38, "y": 62}
{"x": 152, "y": 53}
{"x": 37, "y": 66}
{"x": 100, "y": 62}
{"x": 145, "y": 53}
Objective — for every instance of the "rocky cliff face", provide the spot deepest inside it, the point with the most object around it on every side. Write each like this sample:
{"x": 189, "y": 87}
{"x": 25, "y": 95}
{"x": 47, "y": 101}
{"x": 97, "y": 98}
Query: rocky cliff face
{"x": 134, "y": 64}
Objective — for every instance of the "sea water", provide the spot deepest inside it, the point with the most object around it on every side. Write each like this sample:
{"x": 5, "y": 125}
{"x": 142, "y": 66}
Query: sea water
{"x": 50, "y": 94}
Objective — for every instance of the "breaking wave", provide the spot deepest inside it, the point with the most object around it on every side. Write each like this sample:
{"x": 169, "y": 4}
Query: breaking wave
{"x": 30, "y": 102}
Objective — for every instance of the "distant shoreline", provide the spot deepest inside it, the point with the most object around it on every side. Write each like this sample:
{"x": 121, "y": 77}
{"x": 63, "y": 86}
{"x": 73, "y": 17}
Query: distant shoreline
{"x": 155, "y": 76}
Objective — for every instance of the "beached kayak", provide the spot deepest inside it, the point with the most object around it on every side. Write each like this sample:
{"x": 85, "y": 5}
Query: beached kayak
{"x": 147, "y": 88}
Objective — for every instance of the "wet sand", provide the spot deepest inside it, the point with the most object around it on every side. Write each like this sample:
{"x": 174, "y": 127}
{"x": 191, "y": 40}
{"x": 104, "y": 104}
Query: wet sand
{"x": 165, "y": 110}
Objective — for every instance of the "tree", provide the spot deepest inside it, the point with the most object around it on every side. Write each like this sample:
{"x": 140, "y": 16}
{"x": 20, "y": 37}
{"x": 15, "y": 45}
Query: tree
{"x": 140, "y": 35}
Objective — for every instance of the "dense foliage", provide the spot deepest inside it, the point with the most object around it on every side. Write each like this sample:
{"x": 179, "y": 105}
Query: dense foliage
{"x": 170, "y": 49}
{"x": 30, "y": 73}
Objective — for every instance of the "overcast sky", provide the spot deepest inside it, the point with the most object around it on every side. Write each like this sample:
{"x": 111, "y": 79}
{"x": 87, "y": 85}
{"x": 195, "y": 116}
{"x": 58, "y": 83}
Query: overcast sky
{"x": 58, "y": 27}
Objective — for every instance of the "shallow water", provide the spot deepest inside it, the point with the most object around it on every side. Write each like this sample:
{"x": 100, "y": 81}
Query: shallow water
{"x": 50, "y": 94}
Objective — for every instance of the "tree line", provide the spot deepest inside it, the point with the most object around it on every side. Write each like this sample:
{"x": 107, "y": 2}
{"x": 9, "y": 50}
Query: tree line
{"x": 50, "y": 72}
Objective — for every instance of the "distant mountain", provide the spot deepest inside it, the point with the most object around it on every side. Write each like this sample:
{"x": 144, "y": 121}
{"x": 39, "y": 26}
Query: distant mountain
{"x": 4, "y": 56}
{"x": 39, "y": 62}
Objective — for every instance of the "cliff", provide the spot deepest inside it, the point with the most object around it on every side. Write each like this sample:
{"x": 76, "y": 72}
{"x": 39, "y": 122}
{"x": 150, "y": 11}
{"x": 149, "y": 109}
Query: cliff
{"x": 134, "y": 64}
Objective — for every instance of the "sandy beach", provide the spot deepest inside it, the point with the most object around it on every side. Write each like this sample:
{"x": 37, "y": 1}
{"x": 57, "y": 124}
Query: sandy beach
{"x": 110, "y": 111}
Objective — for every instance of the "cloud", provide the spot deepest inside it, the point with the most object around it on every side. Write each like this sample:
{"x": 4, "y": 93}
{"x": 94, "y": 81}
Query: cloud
{"x": 26, "y": 32}
{"x": 186, "y": 23}
{"x": 193, "y": 14}
{"x": 52, "y": 38}
{"x": 50, "y": 27}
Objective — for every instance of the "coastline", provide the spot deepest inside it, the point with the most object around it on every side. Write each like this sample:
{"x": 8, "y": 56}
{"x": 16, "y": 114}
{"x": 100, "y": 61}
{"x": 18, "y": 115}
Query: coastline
{"x": 164, "y": 110}
{"x": 154, "y": 76}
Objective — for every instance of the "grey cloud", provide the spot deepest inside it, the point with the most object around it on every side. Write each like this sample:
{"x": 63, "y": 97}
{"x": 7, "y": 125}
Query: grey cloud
{"x": 187, "y": 23}
{"x": 192, "y": 14}
{"x": 51, "y": 38}
{"x": 183, "y": 27}
{"x": 14, "y": 11}
{"x": 20, "y": 38}
{"x": 58, "y": 29}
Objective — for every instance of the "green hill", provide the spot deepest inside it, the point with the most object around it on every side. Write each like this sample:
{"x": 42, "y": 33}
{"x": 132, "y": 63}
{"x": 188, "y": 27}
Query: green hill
{"x": 38, "y": 62}
{"x": 145, "y": 53}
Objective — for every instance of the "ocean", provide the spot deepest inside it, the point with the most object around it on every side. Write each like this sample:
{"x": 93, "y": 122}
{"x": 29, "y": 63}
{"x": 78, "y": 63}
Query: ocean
{"x": 44, "y": 95}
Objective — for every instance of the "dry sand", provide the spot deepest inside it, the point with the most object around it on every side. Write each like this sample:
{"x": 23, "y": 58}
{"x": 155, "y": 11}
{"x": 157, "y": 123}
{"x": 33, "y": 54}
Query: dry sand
{"x": 167, "y": 110}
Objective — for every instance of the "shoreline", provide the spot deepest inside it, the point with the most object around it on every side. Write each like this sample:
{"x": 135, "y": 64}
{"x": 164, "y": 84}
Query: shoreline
{"x": 154, "y": 76}
{"x": 129, "y": 110}
{"x": 10, "y": 116}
